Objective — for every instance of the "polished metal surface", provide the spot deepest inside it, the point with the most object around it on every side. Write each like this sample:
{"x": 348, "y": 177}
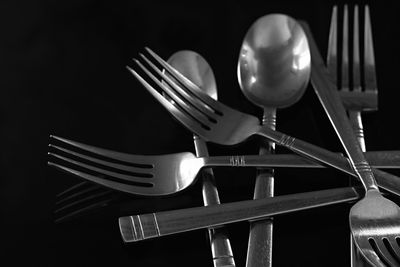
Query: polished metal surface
{"x": 221, "y": 124}
{"x": 277, "y": 59}
{"x": 153, "y": 225}
{"x": 170, "y": 173}
{"x": 344, "y": 86}
{"x": 194, "y": 67}
{"x": 374, "y": 220}
{"x": 274, "y": 62}
{"x": 273, "y": 71}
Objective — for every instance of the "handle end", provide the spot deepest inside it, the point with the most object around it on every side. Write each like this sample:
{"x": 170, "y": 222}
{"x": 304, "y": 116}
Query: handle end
{"x": 138, "y": 227}
{"x": 127, "y": 229}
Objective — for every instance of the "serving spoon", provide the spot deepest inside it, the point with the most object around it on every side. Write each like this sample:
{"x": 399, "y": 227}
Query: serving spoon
{"x": 273, "y": 72}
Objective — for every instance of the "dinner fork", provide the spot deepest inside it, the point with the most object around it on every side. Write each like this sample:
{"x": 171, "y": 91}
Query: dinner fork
{"x": 218, "y": 123}
{"x": 165, "y": 174}
{"x": 369, "y": 74}
{"x": 374, "y": 220}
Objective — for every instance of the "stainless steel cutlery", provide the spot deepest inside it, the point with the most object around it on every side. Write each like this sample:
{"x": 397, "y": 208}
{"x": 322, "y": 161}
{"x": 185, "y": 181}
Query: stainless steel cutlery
{"x": 144, "y": 226}
{"x": 278, "y": 59}
{"x": 353, "y": 70}
{"x": 161, "y": 174}
{"x": 221, "y": 124}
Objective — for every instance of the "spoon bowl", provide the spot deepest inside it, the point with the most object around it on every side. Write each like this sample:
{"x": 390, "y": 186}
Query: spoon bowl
{"x": 195, "y": 68}
{"x": 274, "y": 62}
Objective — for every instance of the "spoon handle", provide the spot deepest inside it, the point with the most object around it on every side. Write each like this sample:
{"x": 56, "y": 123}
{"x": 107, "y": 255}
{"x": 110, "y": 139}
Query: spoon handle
{"x": 330, "y": 100}
{"x": 152, "y": 225}
{"x": 259, "y": 249}
{"x": 220, "y": 245}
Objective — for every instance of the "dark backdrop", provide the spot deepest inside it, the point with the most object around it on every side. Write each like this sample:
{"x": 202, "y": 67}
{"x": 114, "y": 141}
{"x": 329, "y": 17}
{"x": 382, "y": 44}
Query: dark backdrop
{"x": 63, "y": 72}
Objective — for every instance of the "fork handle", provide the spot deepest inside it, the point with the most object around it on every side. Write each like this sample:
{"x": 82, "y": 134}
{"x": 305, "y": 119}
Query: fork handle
{"x": 386, "y": 180}
{"x": 152, "y": 225}
{"x": 377, "y": 159}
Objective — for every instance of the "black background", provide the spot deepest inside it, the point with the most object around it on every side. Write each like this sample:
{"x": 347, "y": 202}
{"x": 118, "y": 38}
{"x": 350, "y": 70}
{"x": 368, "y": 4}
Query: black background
{"x": 62, "y": 71}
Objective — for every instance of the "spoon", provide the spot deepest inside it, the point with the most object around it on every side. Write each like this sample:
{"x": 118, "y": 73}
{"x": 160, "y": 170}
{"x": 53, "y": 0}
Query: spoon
{"x": 273, "y": 72}
{"x": 194, "y": 67}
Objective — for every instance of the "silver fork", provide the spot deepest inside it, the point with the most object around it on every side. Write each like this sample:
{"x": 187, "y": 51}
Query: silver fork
{"x": 374, "y": 220}
{"x": 218, "y": 123}
{"x": 160, "y": 174}
{"x": 369, "y": 73}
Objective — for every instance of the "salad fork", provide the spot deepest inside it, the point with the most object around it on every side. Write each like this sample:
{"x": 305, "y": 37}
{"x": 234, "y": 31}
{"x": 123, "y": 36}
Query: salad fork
{"x": 218, "y": 123}
{"x": 369, "y": 74}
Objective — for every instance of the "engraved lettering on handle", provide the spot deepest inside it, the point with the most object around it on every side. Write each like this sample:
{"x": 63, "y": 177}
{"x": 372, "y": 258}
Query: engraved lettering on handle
{"x": 237, "y": 161}
{"x": 287, "y": 141}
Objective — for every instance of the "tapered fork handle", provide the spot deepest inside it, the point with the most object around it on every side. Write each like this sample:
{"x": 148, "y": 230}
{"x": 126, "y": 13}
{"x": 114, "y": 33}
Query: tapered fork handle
{"x": 377, "y": 159}
{"x": 152, "y": 225}
{"x": 329, "y": 97}
{"x": 259, "y": 248}
{"x": 387, "y": 181}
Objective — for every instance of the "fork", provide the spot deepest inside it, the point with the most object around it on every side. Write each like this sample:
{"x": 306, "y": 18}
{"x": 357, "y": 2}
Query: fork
{"x": 86, "y": 197}
{"x": 374, "y": 220}
{"x": 218, "y": 123}
{"x": 369, "y": 73}
{"x": 162, "y": 174}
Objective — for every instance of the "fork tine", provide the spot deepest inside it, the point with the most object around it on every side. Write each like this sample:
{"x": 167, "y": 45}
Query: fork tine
{"x": 369, "y": 57}
{"x": 181, "y": 116}
{"x": 384, "y": 253}
{"x": 139, "y": 181}
{"x": 117, "y": 166}
{"x": 82, "y": 200}
{"x": 128, "y": 158}
{"x": 127, "y": 188}
{"x": 77, "y": 194}
{"x": 356, "y": 52}
{"x": 195, "y": 113}
{"x": 395, "y": 247}
{"x": 193, "y": 88}
{"x": 332, "y": 46}
{"x": 345, "y": 51}
{"x": 369, "y": 252}
{"x": 197, "y": 103}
